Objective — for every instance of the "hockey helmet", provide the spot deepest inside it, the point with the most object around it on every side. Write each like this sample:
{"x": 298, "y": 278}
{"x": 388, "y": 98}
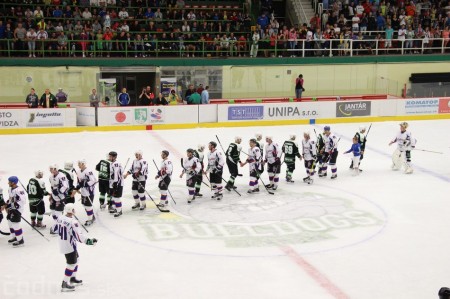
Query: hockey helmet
{"x": 138, "y": 152}
{"x": 253, "y": 140}
{"x": 81, "y": 162}
{"x": 444, "y": 293}
{"x": 13, "y": 179}
{"x": 69, "y": 208}
{"x": 269, "y": 137}
{"x": 68, "y": 165}
{"x": 165, "y": 153}
{"x": 327, "y": 128}
{"x": 404, "y": 124}
{"x": 190, "y": 150}
{"x": 258, "y": 136}
{"x": 39, "y": 173}
{"x": 362, "y": 128}
{"x": 53, "y": 166}
{"x": 213, "y": 144}
{"x": 238, "y": 139}
{"x": 112, "y": 154}
{"x": 201, "y": 147}
{"x": 292, "y": 136}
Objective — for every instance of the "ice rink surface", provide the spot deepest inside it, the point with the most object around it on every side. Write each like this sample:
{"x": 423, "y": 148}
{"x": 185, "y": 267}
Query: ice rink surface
{"x": 382, "y": 234}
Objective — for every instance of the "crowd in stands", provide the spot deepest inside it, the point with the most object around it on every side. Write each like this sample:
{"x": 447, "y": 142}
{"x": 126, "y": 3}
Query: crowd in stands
{"x": 138, "y": 28}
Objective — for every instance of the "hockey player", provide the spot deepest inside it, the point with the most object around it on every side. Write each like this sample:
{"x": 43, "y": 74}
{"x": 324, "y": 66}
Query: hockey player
{"x": 309, "y": 151}
{"x": 14, "y": 207}
{"x": 330, "y": 153}
{"x": 103, "y": 168}
{"x": 86, "y": 186}
{"x": 405, "y": 143}
{"x": 60, "y": 187}
{"x": 320, "y": 150}
{"x": 254, "y": 161}
{"x": 290, "y": 150}
{"x": 259, "y": 143}
{"x": 69, "y": 234}
{"x": 361, "y": 137}
{"x": 191, "y": 166}
{"x": 356, "y": 151}
{"x": 233, "y": 158}
{"x": 2, "y": 204}
{"x": 67, "y": 171}
{"x": 215, "y": 168}
{"x": 36, "y": 192}
{"x": 272, "y": 158}
{"x": 200, "y": 155}
{"x": 138, "y": 170}
{"x": 116, "y": 184}
{"x": 164, "y": 176}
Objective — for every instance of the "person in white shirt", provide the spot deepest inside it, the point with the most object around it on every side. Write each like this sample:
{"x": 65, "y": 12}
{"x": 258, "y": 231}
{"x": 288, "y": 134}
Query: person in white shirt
{"x": 402, "y": 34}
{"x": 86, "y": 14}
{"x": 70, "y": 233}
{"x": 123, "y": 14}
{"x": 31, "y": 37}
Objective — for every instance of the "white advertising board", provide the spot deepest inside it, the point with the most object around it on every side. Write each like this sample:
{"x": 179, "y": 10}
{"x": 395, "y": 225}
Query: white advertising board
{"x": 11, "y": 118}
{"x": 85, "y": 116}
{"x": 37, "y": 118}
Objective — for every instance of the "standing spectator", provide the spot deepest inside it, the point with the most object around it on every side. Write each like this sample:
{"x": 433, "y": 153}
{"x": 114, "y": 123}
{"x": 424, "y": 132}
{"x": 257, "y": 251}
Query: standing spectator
{"x": 255, "y": 41}
{"x": 61, "y": 96}
{"x": 31, "y": 37}
{"x": 402, "y": 35}
{"x": 189, "y": 92}
{"x": 32, "y": 99}
{"x": 299, "y": 87}
{"x": 315, "y": 22}
{"x": 20, "y": 35}
{"x": 174, "y": 99}
{"x": 160, "y": 100}
{"x": 200, "y": 88}
{"x": 205, "y": 95}
{"x": 48, "y": 100}
{"x": 195, "y": 99}
{"x": 389, "y": 33}
{"x": 146, "y": 97}
{"x": 42, "y": 36}
{"x": 263, "y": 21}
{"x": 94, "y": 98}
{"x": 123, "y": 98}
{"x": 107, "y": 37}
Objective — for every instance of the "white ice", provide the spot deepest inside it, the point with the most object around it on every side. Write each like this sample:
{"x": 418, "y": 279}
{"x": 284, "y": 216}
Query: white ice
{"x": 382, "y": 234}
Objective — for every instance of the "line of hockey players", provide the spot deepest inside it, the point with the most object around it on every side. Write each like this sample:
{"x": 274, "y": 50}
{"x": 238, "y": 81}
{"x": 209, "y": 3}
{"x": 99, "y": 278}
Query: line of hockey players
{"x": 318, "y": 153}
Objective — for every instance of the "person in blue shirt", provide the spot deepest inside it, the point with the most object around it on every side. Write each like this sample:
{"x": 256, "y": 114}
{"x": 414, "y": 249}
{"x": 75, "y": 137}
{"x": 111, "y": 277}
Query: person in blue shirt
{"x": 356, "y": 151}
{"x": 123, "y": 98}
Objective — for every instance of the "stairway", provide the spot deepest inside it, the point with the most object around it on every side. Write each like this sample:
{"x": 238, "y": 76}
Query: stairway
{"x": 303, "y": 11}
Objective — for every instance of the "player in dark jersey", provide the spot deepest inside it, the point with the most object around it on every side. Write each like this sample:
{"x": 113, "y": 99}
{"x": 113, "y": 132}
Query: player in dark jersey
{"x": 290, "y": 150}
{"x": 361, "y": 137}
{"x": 233, "y": 158}
{"x": 320, "y": 149}
{"x": 67, "y": 172}
{"x": 36, "y": 192}
{"x": 200, "y": 155}
{"x": 103, "y": 168}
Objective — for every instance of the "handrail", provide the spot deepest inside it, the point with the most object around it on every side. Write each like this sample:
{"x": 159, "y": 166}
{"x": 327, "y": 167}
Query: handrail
{"x": 305, "y": 18}
{"x": 202, "y": 48}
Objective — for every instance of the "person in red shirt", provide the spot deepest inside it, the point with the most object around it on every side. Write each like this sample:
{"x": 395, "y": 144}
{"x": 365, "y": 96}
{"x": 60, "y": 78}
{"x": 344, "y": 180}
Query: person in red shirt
{"x": 241, "y": 45}
{"x": 107, "y": 37}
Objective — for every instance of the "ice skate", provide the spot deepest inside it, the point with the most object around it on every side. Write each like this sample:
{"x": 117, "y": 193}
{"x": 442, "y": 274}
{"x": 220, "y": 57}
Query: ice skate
{"x": 333, "y": 176}
{"x": 18, "y": 243}
{"x": 136, "y": 207}
{"x": 66, "y": 287}
{"x": 118, "y": 214}
{"x": 143, "y": 207}
{"x": 75, "y": 282}
{"x": 39, "y": 225}
{"x": 198, "y": 194}
{"x": 11, "y": 241}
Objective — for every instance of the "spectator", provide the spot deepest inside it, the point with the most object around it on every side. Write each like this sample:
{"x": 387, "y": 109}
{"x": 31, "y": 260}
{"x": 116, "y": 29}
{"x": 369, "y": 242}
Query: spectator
{"x": 48, "y": 100}
{"x": 123, "y": 14}
{"x": 94, "y": 98}
{"x": 61, "y": 96}
{"x": 205, "y": 95}
{"x": 146, "y": 97}
{"x": 195, "y": 99}
{"x": 31, "y": 37}
{"x": 123, "y": 98}
{"x": 255, "y": 41}
{"x": 20, "y": 36}
{"x": 189, "y": 92}
{"x": 389, "y": 33}
{"x": 41, "y": 37}
{"x": 62, "y": 44}
{"x": 299, "y": 87}
{"x": 32, "y": 99}
{"x": 200, "y": 88}
{"x": 160, "y": 100}
{"x": 107, "y": 37}
{"x": 263, "y": 21}
{"x": 174, "y": 99}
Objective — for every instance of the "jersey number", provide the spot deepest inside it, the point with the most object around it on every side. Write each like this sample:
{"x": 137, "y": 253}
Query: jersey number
{"x": 289, "y": 149}
{"x": 32, "y": 189}
{"x": 62, "y": 231}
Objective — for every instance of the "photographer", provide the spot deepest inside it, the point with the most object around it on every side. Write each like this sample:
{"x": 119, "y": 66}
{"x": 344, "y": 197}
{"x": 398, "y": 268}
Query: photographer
{"x": 146, "y": 97}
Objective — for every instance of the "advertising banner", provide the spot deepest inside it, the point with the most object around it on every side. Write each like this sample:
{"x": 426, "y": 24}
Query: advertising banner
{"x": 349, "y": 109}
{"x": 444, "y": 105}
{"x": 156, "y": 114}
{"x": 121, "y": 116}
{"x": 44, "y": 118}
{"x": 85, "y": 116}
{"x": 11, "y": 119}
{"x": 421, "y": 106}
{"x": 246, "y": 112}
{"x": 167, "y": 84}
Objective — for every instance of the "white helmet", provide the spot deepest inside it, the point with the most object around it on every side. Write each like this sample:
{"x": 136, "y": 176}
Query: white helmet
{"x": 362, "y": 128}
{"x": 39, "y": 173}
{"x": 238, "y": 138}
{"x": 258, "y": 135}
{"x": 68, "y": 165}
{"x": 269, "y": 137}
{"x": 292, "y": 136}
{"x": 404, "y": 124}
{"x": 200, "y": 147}
{"x": 81, "y": 162}
{"x": 138, "y": 152}
{"x": 53, "y": 166}
{"x": 69, "y": 208}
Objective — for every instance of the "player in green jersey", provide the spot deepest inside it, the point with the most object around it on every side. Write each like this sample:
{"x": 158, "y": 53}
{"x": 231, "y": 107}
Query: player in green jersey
{"x": 290, "y": 150}
{"x": 36, "y": 192}
{"x": 103, "y": 168}
{"x": 233, "y": 158}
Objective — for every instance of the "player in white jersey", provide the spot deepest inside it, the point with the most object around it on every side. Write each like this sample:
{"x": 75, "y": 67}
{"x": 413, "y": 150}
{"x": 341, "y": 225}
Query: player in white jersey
{"x": 14, "y": 208}
{"x": 70, "y": 233}
{"x": 330, "y": 153}
{"x": 116, "y": 183}
{"x": 405, "y": 143}
{"x": 309, "y": 152}
{"x": 2, "y": 203}
{"x": 200, "y": 155}
{"x": 139, "y": 171}
{"x": 215, "y": 168}
{"x": 254, "y": 161}
{"x": 60, "y": 188}
{"x": 36, "y": 192}
{"x": 164, "y": 176}
{"x": 191, "y": 166}
{"x": 272, "y": 158}
{"x": 86, "y": 186}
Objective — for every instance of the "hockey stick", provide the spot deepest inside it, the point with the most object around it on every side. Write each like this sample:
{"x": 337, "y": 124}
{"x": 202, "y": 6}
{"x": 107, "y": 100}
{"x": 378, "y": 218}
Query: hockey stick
{"x": 148, "y": 194}
{"x": 34, "y": 228}
{"x": 232, "y": 187}
{"x": 217, "y": 137}
{"x": 368, "y": 130}
{"x": 185, "y": 170}
{"x": 80, "y": 223}
{"x": 167, "y": 187}
{"x": 423, "y": 150}
{"x": 3, "y": 233}
{"x": 268, "y": 191}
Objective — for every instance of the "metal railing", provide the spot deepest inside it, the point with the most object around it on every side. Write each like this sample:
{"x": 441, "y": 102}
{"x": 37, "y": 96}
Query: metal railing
{"x": 202, "y": 48}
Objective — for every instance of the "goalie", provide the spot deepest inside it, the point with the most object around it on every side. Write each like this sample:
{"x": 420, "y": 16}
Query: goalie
{"x": 402, "y": 155}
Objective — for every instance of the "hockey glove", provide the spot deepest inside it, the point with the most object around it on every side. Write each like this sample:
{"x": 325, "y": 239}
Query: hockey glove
{"x": 92, "y": 241}
{"x": 114, "y": 186}
{"x": 192, "y": 173}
